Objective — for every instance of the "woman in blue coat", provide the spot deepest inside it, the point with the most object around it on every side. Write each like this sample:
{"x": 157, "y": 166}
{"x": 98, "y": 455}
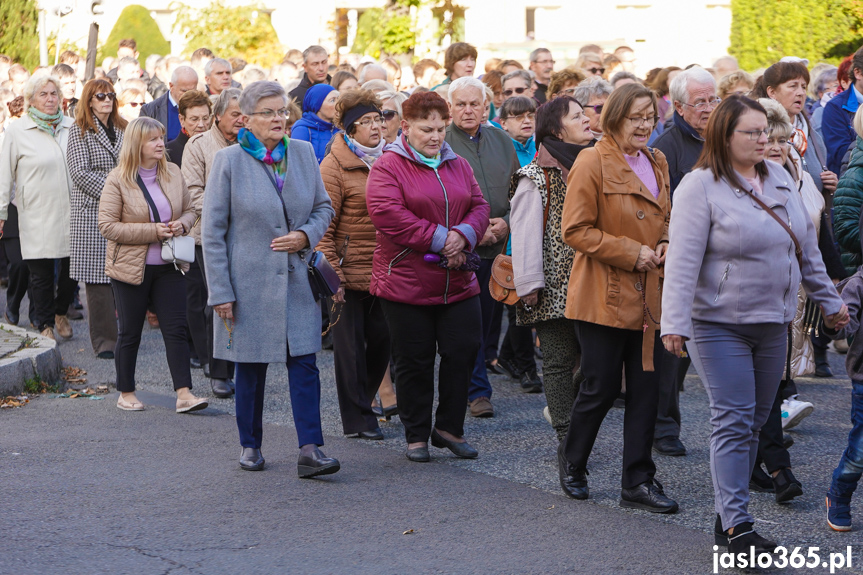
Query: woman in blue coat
{"x": 316, "y": 125}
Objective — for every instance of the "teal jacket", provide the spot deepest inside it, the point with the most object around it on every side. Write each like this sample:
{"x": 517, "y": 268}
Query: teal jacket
{"x": 847, "y": 202}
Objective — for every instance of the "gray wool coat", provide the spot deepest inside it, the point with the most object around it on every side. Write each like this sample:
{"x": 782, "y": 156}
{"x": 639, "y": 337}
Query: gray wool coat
{"x": 242, "y": 214}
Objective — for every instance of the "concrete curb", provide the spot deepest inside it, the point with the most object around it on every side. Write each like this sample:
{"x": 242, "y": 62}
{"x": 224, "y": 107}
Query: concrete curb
{"x": 40, "y": 357}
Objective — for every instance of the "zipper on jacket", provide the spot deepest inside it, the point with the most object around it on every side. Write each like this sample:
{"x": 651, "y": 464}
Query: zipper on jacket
{"x": 116, "y": 252}
{"x": 399, "y": 257}
{"x": 446, "y": 202}
{"x": 722, "y": 281}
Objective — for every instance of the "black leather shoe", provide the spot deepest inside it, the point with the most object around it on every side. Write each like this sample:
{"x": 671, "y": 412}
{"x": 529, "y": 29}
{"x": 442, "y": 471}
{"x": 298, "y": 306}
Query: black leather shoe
{"x": 387, "y": 412}
{"x": 573, "y": 481}
{"x": 786, "y": 486}
{"x": 316, "y": 464}
{"x": 720, "y": 537}
{"x": 251, "y": 459}
{"x": 760, "y": 481}
{"x": 206, "y": 368}
{"x": 194, "y": 363}
{"x": 105, "y": 355}
{"x": 530, "y": 382}
{"x": 221, "y": 388}
{"x": 670, "y": 446}
{"x": 822, "y": 366}
{"x": 787, "y": 441}
{"x": 374, "y": 434}
{"x": 418, "y": 454}
{"x": 648, "y": 496}
{"x": 508, "y": 368}
{"x": 463, "y": 449}
{"x": 492, "y": 367}
{"x": 744, "y": 537}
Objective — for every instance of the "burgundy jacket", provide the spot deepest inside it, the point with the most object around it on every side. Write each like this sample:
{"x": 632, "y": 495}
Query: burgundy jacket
{"x": 412, "y": 207}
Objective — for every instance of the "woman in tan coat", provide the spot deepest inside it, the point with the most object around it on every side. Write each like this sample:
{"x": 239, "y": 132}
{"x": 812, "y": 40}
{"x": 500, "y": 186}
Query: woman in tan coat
{"x": 144, "y": 202}
{"x": 616, "y": 217}
{"x": 361, "y": 344}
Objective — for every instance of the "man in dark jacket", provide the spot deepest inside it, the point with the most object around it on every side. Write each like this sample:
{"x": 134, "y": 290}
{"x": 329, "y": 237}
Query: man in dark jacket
{"x": 316, "y": 62}
{"x": 836, "y": 123}
{"x": 490, "y": 153}
{"x": 693, "y": 93}
{"x": 165, "y": 108}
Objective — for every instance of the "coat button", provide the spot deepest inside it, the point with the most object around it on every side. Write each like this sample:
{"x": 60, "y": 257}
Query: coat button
{"x": 639, "y": 214}
{"x": 638, "y": 286}
{"x": 509, "y": 278}
{"x": 291, "y": 267}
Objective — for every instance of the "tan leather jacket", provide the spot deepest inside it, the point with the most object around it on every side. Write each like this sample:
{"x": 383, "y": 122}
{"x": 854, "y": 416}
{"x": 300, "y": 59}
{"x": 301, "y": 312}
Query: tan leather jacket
{"x": 124, "y": 220}
{"x": 608, "y": 215}
{"x": 197, "y": 160}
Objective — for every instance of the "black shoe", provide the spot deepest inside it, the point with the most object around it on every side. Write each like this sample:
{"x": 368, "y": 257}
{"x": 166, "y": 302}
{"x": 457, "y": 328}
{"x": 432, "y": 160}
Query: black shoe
{"x": 206, "y": 368}
{"x": 822, "y": 366}
{"x": 620, "y": 402}
{"x": 316, "y": 464}
{"x": 760, "y": 481}
{"x": 251, "y": 459}
{"x": 11, "y": 318}
{"x": 105, "y": 355}
{"x": 373, "y": 435}
{"x": 787, "y": 441}
{"x": 492, "y": 367}
{"x": 720, "y": 537}
{"x": 387, "y": 412}
{"x": 745, "y": 537}
{"x": 509, "y": 368}
{"x": 786, "y": 486}
{"x": 669, "y": 446}
{"x": 530, "y": 382}
{"x": 195, "y": 363}
{"x": 73, "y": 313}
{"x": 648, "y": 496}
{"x": 221, "y": 388}
{"x": 573, "y": 481}
{"x": 418, "y": 454}
{"x": 463, "y": 449}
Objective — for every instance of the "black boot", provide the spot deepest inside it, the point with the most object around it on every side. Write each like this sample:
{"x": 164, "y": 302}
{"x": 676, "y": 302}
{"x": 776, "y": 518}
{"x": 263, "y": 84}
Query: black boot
{"x": 251, "y": 459}
{"x": 786, "y": 486}
{"x": 745, "y": 537}
{"x": 573, "y": 481}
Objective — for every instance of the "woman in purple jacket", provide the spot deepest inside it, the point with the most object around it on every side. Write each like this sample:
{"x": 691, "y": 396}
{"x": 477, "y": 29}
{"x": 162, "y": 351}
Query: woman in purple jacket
{"x": 423, "y": 199}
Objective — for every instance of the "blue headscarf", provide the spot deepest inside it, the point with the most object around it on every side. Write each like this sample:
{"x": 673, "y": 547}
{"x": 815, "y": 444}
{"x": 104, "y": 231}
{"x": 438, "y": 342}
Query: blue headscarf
{"x": 315, "y": 97}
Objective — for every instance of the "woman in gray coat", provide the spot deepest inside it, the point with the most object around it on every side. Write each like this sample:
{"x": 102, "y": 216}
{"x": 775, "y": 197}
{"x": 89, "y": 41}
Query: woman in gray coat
{"x": 265, "y": 206}
{"x": 741, "y": 241}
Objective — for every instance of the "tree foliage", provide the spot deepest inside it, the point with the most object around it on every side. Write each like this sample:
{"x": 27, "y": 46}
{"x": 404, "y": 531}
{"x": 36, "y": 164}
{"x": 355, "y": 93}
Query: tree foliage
{"x": 19, "y": 36}
{"x": 245, "y": 31}
{"x": 386, "y": 31}
{"x": 763, "y": 31}
{"x": 135, "y": 22}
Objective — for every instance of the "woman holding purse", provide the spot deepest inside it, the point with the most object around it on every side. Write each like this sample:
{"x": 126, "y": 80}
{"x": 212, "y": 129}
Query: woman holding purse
{"x": 145, "y": 201}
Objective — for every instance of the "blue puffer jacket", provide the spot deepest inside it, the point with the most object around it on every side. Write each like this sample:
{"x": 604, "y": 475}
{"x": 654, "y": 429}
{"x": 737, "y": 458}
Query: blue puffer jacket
{"x": 847, "y": 202}
{"x": 310, "y": 128}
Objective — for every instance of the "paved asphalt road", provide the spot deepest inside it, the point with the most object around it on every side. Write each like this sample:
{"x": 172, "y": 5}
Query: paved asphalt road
{"x": 87, "y": 488}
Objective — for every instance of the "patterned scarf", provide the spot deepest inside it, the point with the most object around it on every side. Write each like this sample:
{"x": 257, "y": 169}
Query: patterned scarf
{"x": 277, "y": 158}
{"x": 366, "y": 154}
{"x": 48, "y": 122}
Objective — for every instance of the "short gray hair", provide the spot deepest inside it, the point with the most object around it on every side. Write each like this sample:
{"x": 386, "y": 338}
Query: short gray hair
{"x": 679, "y": 88}
{"x": 36, "y": 82}
{"x": 523, "y": 74}
{"x": 822, "y": 79}
{"x": 622, "y": 75}
{"x": 464, "y": 83}
{"x": 208, "y": 67}
{"x": 590, "y": 89}
{"x": 374, "y": 68}
{"x": 224, "y": 100}
{"x": 182, "y": 71}
{"x": 397, "y": 97}
{"x": 534, "y": 56}
{"x": 315, "y": 49}
{"x": 257, "y": 91}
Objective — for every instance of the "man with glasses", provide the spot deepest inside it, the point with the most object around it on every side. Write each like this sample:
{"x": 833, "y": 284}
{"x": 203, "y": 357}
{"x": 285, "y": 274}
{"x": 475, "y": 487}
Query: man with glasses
{"x": 693, "y": 93}
{"x": 542, "y": 65}
{"x": 517, "y": 83}
{"x": 592, "y": 94}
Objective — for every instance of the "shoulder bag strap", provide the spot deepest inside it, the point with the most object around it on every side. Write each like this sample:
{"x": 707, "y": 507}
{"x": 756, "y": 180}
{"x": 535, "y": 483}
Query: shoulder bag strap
{"x": 149, "y": 199}
{"x": 547, "y": 200}
{"x": 797, "y": 250}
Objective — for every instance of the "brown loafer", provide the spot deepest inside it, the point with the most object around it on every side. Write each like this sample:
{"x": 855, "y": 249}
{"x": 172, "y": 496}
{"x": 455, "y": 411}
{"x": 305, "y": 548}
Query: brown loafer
{"x": 63, "y": 327}
{"x": 481, "y": 407}
{"x": 190, "y": 405}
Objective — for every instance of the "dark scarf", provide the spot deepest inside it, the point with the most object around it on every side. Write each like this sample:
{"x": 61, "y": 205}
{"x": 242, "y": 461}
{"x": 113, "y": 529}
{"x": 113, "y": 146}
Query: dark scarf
{"x": 109, "y": 129}
{"x": 563, "y": 152}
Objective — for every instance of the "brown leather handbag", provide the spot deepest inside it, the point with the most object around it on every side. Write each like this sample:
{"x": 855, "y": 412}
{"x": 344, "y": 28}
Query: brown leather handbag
{"x": 501, "y": 285}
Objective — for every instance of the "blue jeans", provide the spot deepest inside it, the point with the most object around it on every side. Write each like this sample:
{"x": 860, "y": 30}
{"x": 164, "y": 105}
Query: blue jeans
{"x": 850, "y": 467}
{"x": 480, "y": 386}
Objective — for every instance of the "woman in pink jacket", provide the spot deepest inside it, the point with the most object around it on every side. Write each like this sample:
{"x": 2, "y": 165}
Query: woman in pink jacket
{"x": 425, "y": 203}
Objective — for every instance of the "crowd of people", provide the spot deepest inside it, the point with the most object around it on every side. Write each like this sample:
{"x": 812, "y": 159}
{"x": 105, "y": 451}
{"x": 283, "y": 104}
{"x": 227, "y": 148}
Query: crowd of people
{"x": 628, "y": 227}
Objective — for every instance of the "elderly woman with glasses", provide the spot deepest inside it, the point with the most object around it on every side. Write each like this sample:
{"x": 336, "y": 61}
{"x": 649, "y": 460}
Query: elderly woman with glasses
{"x": 616, "y": 217}
{"x": 265, "y": 207}
{"x": 593, "y": 92}
{"x": 517, "y": 83}
{"x": 391, "y": 110}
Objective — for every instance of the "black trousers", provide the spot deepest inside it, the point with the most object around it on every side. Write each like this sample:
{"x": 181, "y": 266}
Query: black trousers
{"x": 671, "y": 377}
{"x": 517, "y": 345}
{"x": 47, "y": 303}
{"x": 19, "y": 278}
{"x": 361, "y": 354}
{"x": 200, "y": 319}
{"x": 165, "y": 289}
{"x": 606, "y": 353}
{"x": 417, "y": 332}
{"x": 771, "y": 449}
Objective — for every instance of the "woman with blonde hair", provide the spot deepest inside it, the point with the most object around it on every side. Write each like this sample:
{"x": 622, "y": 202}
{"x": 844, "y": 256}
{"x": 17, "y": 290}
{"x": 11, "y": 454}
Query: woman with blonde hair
{"x": 737, "y": 83}
{"x": 145, "y": 202}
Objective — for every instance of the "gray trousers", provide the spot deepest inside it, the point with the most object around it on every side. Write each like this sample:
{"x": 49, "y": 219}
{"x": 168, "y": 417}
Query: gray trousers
{"x": 741, "y": 366}
{"x": 102, "y": 316}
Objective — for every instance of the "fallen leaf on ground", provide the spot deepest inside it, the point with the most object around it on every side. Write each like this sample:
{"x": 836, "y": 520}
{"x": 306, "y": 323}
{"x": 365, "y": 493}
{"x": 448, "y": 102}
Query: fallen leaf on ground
{"x": 409, "y": 532}
{"x": 11, "y": 401}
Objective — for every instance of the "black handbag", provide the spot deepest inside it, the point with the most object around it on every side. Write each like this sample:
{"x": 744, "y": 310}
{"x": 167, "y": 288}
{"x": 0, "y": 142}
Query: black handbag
{"x": 323, "y": 279}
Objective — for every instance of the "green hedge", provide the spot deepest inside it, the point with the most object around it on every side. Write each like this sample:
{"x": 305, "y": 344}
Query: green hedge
{"x": 135, "y": 22}
{"x": 19, "y": 36}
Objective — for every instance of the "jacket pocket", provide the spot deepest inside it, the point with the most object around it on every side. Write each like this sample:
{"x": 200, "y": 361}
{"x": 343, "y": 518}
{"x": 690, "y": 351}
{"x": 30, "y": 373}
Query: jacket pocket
{"x": 612, "y": 295}
{"x": 116, "y": 251}
{"x": 401, "y": 255}
{"x": 722, "y": 282}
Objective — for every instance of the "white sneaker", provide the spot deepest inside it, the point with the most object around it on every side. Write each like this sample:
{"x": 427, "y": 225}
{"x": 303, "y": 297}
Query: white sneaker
{"x": 794, "y": 411}
{"x": 546, "y": 414}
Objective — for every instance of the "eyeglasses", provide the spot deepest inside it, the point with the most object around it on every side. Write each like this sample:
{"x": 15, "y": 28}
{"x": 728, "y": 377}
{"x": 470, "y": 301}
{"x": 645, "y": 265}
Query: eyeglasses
{"x": 544, "y": 62}
{"x": 638, "y": 121}
{"x": 596, "y": 70}
{"x": 389, "y": 114}
{"x": 596, "y": 109}
{"x": 782, "y": 142}
{"x": 378, "y": 121}
{"x": 701, "y": 106}
{"x": 754, "y": 135}
{"x": 522, "y": 117}
{"x": 516, "y": 90}
{"x": 102, "y": 95}
{"x": 268, "y": 114}
{"x": 571, "y": 92}
{"x": 136, "y": 104}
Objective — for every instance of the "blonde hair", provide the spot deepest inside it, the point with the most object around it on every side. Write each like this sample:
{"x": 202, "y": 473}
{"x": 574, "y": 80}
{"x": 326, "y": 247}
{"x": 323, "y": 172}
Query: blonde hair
{"x": 137, "y": 132}
{"x": 858, "y": 122}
